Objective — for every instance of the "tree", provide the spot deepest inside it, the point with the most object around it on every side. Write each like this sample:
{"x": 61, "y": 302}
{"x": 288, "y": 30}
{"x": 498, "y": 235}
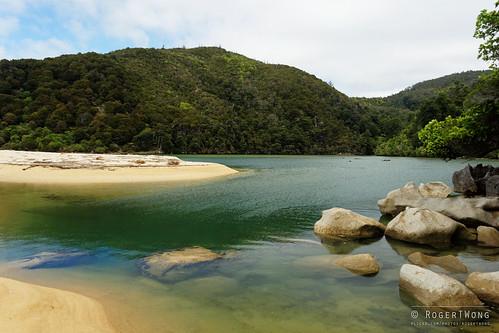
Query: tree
{"x": 487, "y": 28}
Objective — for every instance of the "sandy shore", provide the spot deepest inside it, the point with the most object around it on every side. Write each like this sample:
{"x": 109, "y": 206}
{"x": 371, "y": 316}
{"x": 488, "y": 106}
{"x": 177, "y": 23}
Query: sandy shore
{"x": 62, "y": 168}
{"x": 28, "y": 308}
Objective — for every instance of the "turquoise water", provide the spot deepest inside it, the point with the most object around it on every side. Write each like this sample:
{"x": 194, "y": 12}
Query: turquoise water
{"x": 265, "y": 213}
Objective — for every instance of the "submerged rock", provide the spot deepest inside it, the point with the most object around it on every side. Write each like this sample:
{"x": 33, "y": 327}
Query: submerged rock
{"x": 423, "y": 226}
{"x": 175, "y": 265}
{"x": 343, "y": 223}
{"x": 485, "y": 285}
{"x": 360, "y": 264}
{"x": 53, "y": 260}
{"x": 469, "y": 211}
{"x": 449, "y": 262}
{"x": 488, "y": 236}
{"x": 433, "y": 289}
{"x": 478, "y": 180}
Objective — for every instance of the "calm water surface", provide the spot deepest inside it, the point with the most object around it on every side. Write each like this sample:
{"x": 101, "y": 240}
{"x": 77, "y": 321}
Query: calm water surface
{"x": 266, "y": 214}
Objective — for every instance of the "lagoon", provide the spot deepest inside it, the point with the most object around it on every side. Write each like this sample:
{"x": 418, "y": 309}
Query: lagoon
{"x": 265, "y": 214}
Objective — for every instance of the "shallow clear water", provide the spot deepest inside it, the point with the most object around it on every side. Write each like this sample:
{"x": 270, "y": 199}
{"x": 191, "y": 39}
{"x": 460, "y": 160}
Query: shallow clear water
{"x": 266, "y": 214}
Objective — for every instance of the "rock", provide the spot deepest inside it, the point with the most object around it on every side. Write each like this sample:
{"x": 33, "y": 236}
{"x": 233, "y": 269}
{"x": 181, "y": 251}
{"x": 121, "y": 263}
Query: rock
{"x": 433, "y": 289}
{"x": 469, "y": 211}
{"x": 396, "y": 200}
{"x": 175, "y": 265}
{"x": 463, "y": 181}
{"x": 343, "y": 223}
{"x": 485, "y": 285}
{"x": 472, "y": 212}
{"x": 434, "y": 190}
{"x": 492, "y": 186}
{"x": 488, "y": 236}
{"x": 423, "y": 226}
{"x": 473, "y": 180}
{"x": 360, "y": 264}
{"x": 53, "y": 260}
{"x": 449, "y": 262}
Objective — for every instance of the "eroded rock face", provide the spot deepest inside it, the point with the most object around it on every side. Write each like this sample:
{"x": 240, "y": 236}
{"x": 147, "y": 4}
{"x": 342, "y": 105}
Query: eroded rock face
{"x": 449, "y": 263}
{"x": 343, "y": 223}
{"x": 488, "y": 236}
{"x": 433, "y": 289}
{"x": 423, "y": 226}
{"x": 175, "y": 265}
{"x": 485, "y": 285}
{"x": 469, "y": 211}
{"x": 360, "y": 264}
{"x": 475, "y": 180}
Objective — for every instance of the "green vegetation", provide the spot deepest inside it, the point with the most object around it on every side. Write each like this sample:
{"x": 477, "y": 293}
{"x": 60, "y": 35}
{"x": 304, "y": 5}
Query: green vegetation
{"x": 202, "y": 100}
{"x": 208, "y": 100}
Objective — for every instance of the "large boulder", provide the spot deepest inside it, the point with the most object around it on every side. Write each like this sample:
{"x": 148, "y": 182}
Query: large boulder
{"x": 469, "y": 211}
{"x": 177, "y": 265}
{"x": 488, "y": 236}
{"x": 410, "y": 194}
{"x": 485, "y": 285}
{"x": 360, "y": 264}
{"x": 343, "y": 223}
{"x": 433, "y": 289}
{"x": 477, "y": 180}
{"x": 423, "y": 226}
{"x": 449, "y": 262}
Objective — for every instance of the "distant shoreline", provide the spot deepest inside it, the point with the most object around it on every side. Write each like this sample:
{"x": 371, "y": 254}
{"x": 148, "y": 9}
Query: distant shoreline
{"x": 25, "y": 167}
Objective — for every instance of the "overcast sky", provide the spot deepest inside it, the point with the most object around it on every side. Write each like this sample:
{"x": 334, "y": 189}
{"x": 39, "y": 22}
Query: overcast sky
{"x": 364, "y": 47}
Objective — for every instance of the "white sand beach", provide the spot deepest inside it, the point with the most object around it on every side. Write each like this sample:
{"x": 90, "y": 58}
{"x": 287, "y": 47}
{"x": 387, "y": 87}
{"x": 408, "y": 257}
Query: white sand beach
{"x": 74, "y": 168}
{"x": 29, "y": 308}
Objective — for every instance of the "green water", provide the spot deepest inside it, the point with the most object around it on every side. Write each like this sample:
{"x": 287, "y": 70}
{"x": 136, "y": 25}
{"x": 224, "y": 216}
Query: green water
{"x": 259, "y": 213}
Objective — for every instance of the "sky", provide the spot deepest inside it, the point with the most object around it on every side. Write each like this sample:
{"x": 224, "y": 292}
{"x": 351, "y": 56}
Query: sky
{"x": 363, "y": 47}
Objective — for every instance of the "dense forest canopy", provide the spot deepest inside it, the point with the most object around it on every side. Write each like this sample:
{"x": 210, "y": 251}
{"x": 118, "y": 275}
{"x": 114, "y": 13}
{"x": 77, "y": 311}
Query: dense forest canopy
{"x": 201, "y": 100}
{"x": 209, "y": 100}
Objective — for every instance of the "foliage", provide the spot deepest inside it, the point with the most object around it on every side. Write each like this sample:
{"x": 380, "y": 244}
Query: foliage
{"x": 202, "y": 100}
{"x": 399, "y": 145}
{"x": 487, "y": 28}
{"x": 475, "y": 132}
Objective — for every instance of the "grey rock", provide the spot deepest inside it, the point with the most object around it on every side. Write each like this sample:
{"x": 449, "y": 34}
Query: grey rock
{"x": 343, "y": 223}
{"x": 433, "y": 289}
{"x": 423, "y": 226}
{"x": 470, "y": 211}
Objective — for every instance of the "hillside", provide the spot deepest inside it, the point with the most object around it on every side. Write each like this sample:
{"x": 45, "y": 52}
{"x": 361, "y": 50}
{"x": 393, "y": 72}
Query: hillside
{"x": 469, "y": 98}
{"x": 201, "y": 100}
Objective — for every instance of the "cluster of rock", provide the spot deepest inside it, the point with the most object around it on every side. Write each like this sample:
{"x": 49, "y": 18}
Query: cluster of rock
{"x": 428, "y": 215}
{"x": 478, "y": 180}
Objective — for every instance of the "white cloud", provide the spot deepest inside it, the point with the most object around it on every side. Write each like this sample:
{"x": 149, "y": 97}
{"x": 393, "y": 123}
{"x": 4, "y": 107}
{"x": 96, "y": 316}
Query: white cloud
{"x": 40, "y": 49}
{"x": 8, "y": 25}
{"x": 364, "y": 47}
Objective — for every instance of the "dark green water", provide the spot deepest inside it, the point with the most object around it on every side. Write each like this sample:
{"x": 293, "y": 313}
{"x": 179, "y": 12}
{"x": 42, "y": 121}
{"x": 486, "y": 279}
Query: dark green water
{"x": 259, "y": 213}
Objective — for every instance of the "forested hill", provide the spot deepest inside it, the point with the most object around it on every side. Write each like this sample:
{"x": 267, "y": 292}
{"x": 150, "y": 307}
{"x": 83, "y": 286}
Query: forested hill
{"x": 413, "y": 96}
{"x": 201, "y": 100}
